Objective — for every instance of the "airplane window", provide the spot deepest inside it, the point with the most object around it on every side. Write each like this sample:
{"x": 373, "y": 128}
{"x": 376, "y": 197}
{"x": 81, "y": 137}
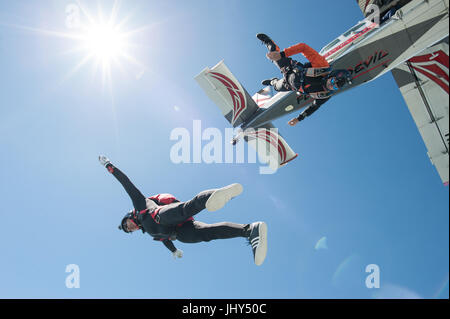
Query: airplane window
{"x": 346, "y": 34}
{"x": 332, "y": 44}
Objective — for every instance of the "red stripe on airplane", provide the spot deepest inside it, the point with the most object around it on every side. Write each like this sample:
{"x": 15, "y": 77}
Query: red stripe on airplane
{"x": 350, "y": 40}
{"x": 285, "y": 162}
{"x": 433, "y": 68}
{"x": 376, "y": 66}
{"x": 236, "y": 95}
{"x": 263, "y": 98}
{"x": 261, "y": 101}
{"x": 269, "y": 137}
{"x": 441, "y": 57}
{"x": 280, "y": 145}
{"x": 438, "y": 81}
{"x": 430, "y": 62}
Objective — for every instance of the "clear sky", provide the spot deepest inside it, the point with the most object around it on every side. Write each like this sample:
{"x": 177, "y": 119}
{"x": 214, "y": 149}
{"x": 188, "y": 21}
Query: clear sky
{"x": 362, "y": 179}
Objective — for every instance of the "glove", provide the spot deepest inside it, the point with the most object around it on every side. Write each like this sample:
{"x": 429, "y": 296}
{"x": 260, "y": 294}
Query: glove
{"x": 104, "y": 160}
{"x": 177, "y": 254}
{"x": 293, "y": 122}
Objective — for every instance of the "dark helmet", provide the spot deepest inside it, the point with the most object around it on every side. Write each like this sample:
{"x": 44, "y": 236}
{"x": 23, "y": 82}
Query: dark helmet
{"x": 123, "y": 224}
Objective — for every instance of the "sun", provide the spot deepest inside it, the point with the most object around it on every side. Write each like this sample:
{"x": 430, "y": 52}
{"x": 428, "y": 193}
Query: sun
{"x": 105, "y": 42}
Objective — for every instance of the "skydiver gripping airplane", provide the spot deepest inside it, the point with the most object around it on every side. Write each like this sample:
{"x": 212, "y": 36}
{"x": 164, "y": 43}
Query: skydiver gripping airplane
{"x": 167, "y": 219}
{"x": 315, "y": 79}
{"x": 412, "y": 43}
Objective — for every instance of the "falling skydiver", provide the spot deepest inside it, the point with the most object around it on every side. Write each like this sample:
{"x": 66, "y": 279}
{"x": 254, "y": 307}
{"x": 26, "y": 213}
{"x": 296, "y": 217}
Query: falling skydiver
{"x": 315, "y": 79}
{"x": 166, "y": 219}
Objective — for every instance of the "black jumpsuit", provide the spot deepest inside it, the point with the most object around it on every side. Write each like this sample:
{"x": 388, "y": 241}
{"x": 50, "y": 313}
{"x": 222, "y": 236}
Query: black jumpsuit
{"x": 292, "y": 81}
{"x": 167, "y": 222}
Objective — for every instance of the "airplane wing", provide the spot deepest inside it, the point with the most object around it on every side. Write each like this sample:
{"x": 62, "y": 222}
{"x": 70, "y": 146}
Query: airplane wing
{"x": 424, "y": 83}
{"x": 423, "y": 79}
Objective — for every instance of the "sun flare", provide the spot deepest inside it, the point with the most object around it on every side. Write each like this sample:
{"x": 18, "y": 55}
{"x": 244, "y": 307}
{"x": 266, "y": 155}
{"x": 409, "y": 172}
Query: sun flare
{"x": 104, "y": 42}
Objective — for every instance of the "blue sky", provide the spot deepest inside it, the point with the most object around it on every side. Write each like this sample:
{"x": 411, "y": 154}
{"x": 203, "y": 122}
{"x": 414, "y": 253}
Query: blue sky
{"x": 362, "y": 179}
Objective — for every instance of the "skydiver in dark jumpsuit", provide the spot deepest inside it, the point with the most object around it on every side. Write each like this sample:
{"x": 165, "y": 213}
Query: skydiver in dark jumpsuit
{"x": 311, "y": 79}
{"x": 166, "y": 219}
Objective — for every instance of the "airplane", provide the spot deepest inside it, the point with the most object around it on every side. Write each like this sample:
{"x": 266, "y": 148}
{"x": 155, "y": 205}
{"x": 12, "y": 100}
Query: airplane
{"x": 411, "y": 40}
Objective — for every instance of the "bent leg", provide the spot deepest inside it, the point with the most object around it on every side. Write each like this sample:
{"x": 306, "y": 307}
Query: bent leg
{"x": 272, "y": 46}
{"x": 176, "y": 213}
{"x": 283, "y": 63}
{"x": 195, "y": 231}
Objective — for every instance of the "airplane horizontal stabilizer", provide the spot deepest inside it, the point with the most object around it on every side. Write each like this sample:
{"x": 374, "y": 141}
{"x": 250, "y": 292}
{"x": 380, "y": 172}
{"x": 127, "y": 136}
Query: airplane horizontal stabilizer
{"x": 222, "y": 87}
{"x": 270, "y": 145}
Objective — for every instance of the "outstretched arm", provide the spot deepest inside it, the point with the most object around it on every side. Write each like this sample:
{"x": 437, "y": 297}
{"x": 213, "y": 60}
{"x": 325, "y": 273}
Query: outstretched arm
{"x": 177, "y": 253}
{"x": 136, "y": 196}
{"x": 169, "y": 244}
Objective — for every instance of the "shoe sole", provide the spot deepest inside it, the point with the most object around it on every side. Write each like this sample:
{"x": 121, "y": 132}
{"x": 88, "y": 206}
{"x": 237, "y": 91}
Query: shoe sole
{"x": 220, "y": 197}
{"x": 261, "y": 250}
{"x": 268, "y": 41}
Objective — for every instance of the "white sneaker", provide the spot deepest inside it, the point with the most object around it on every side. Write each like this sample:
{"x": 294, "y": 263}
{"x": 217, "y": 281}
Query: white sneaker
{"x": 220, "y": 197}
{"x": 258, "y": 241}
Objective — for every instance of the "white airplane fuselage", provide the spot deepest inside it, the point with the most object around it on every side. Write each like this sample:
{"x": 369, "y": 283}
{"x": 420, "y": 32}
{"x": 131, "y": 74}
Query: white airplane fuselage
{"x": 374, "y": 52}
